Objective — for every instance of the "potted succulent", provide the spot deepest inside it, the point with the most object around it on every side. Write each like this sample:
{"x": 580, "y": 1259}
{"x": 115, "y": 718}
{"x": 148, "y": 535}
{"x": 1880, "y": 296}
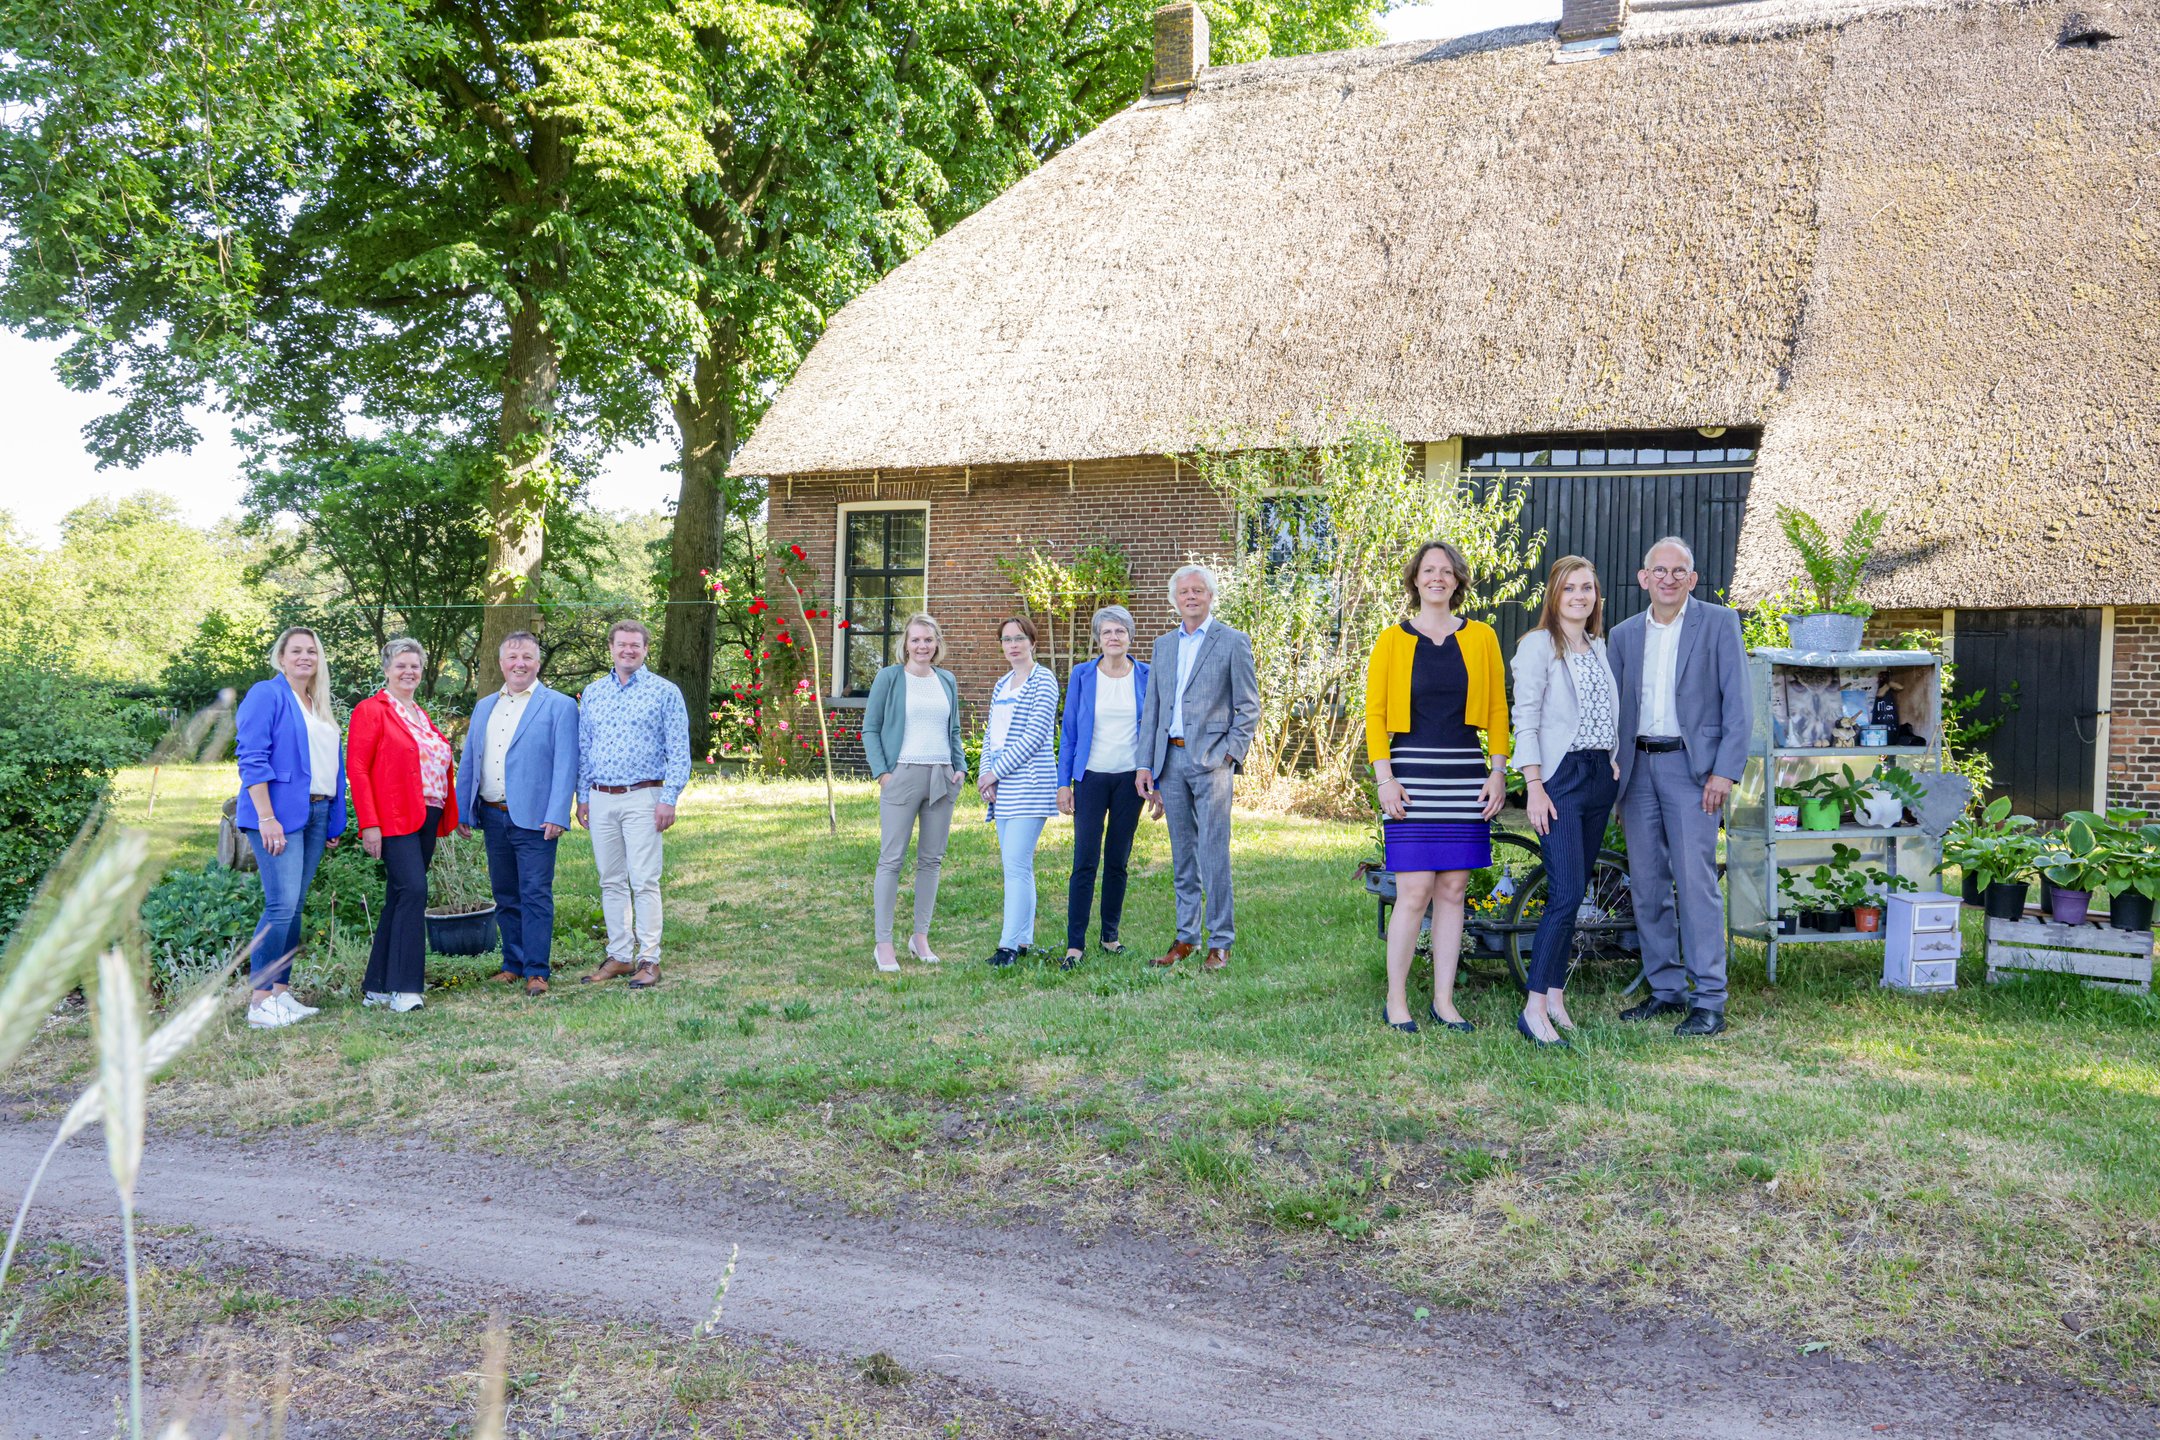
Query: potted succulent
{"x": 1833, "y": 572}
{"x": 1997, "y": 851}
{"x": 461, "y": 902}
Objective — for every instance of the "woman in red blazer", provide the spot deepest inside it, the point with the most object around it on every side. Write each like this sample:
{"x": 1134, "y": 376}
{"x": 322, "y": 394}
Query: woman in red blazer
{"x": 404, "y": 795}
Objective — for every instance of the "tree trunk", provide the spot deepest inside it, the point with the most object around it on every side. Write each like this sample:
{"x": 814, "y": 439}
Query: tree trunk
{"x": 517, "y": 500}
{"x": 706, "y": 419}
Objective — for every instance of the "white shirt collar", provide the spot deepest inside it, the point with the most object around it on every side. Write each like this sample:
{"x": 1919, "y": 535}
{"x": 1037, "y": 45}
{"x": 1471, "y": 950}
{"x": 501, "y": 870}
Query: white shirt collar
{"x": 1656, "y": 624}
{"x": 1198, "y": 630}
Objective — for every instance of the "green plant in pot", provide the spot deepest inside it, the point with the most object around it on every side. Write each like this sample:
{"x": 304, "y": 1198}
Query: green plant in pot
{"x": 1997, "y": 850}
{"x": 1785, "y": 802}
{"x": 2076, "y": 867}
{"x": 1837, "y": 885}
{"x": 1797, "y": 900}
{"x": 2128, "y": 851}
{"x": 1889, "y": 792}
{"x": 1868, "y": 911}
{"x": 1833, "y": 571}
{"x": 461, "y": 902}
{"x": 1828, "y": 797}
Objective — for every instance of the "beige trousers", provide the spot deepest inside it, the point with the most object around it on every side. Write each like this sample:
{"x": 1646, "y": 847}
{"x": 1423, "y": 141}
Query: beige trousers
{"x": 912, "y": 795}
{"x": 626, "y": 851}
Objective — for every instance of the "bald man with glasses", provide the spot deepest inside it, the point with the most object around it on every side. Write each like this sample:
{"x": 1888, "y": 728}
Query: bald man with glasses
{"x": 1682, "y": 678}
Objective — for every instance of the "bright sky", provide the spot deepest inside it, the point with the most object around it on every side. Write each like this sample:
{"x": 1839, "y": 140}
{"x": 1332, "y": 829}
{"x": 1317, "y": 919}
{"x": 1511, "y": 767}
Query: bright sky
{"x": 46, "y": 474}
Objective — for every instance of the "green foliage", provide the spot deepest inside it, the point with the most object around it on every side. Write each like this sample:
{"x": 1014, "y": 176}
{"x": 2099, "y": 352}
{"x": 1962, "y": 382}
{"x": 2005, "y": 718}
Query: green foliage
{"x": 1063, "y": 596}
{"x": 223, "y": 654}
{"x": 60, "y": 742}
{"x": 1315, "y": 603}
{"x": 1764, "y": 625}
{"x": 193, "y": 920}
{"x": 1995, "y": 846}
{"x": 457, "y": 879}
{"x": 1834, "y": 566}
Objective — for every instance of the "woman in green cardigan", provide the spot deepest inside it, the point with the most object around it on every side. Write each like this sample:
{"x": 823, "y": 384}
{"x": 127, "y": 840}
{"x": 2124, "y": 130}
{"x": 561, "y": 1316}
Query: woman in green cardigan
{"x": 911, "y": 737}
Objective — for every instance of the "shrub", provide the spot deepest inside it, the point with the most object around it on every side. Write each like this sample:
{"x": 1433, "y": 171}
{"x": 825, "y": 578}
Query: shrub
{"x": 193, "y": 919}
{"x": 60, "y": 743}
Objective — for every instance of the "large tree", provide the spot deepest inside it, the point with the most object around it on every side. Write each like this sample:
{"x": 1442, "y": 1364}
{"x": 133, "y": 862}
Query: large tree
{"x": 844, "y": 135}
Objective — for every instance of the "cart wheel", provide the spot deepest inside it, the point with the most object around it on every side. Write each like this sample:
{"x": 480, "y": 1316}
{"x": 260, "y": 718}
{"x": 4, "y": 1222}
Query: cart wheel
{"x": 1604, "y": 926}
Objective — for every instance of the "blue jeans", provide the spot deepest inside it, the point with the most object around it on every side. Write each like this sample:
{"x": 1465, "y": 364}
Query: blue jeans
{"x": 285, "y": 881}
{"x": 1017, "y": 839}
{"x": 1582, "y": 790}
{"x": 521, "y": 871}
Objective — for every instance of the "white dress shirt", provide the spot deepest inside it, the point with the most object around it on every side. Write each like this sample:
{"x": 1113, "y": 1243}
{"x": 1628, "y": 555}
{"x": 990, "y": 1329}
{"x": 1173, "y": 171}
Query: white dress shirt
{"x": 502, "y": 729}
{"x": 1188, "y": 650}
{"x": 1658, "y": 716}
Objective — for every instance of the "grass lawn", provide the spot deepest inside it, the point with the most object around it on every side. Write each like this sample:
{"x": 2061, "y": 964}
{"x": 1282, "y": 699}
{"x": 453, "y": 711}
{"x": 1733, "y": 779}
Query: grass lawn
{"x": 1969, "y": 1178}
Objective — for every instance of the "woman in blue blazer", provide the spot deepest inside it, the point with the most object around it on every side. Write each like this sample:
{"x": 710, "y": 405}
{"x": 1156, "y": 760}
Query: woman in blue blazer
{"x": 291, "y": 807}
{"x": 1096, "y": 768}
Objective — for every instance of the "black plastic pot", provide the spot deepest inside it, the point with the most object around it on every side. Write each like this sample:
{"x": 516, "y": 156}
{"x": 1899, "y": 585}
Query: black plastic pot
{"x": 470, "y": 933}
{"x": 2047, "y": 895}
{"x": 1825, "y": 921}
{"x": 2130, "y": 911}
{"x": 2005, "y": 899}
{"x": 1789, "y": 923}
{"x": 1972, "y": 889}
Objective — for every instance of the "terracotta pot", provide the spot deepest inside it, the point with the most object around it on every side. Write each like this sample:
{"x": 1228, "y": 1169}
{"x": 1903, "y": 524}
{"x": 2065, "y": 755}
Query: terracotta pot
{"x": 1867, "y": 918}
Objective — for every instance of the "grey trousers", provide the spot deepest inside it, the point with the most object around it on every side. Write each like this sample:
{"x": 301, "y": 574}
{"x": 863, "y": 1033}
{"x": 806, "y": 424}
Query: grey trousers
{"x": 912, "y": 794}
{"x": 1672, "y": 853}
{"x": 1196, "y": 806}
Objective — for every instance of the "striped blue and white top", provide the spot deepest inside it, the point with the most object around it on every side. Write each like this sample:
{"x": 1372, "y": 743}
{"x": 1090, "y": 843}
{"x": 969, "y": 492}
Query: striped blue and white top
{"x": 1020, "y": 748}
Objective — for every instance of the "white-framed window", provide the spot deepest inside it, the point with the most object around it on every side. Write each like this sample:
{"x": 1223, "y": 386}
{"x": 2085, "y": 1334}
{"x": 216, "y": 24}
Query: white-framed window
{"x": 1285, "y": 522}
{"x": 884, "y": 576}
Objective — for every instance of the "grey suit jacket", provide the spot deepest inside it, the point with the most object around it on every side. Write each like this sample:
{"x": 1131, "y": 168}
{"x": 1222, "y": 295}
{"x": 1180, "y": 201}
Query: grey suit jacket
{"x": 1222, "y": 700}
{"x": 1710, "y": 695}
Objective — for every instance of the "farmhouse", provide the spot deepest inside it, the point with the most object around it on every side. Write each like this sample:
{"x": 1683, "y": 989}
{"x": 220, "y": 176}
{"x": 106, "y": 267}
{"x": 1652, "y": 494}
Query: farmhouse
{"x": 1671, "y": 264}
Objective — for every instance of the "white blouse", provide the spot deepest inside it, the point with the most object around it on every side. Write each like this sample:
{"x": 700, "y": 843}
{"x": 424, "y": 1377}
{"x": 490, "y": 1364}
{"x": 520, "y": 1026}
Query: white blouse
{"x": 1113, "y": 746}
{"x": 322, "y": 748}
{"x": 929, "y": 716}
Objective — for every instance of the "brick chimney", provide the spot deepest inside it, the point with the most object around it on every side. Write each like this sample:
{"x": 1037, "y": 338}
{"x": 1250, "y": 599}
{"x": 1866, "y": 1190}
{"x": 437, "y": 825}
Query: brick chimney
{"x": 1580, "y": 19}
{"x": 1181, "y": 48}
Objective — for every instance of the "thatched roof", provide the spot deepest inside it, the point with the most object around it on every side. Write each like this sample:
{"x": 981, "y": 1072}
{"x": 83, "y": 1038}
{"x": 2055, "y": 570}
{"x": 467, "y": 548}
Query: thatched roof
{"x": 1911, "y": 240}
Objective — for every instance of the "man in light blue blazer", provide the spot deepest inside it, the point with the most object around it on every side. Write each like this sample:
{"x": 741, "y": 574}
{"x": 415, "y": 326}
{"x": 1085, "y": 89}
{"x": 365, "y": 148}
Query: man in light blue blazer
{"x": 1685, "y": 715}
{"x": 516, "y": 782}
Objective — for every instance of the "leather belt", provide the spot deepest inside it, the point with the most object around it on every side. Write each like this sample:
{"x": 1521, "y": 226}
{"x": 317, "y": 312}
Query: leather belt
{"x": 626, "y": 789}
{"x": 504, "y": 805}
{"x": 1659, "y": 746}
{"x": 321, "y": 797}
{"x": 1178, "y": 740}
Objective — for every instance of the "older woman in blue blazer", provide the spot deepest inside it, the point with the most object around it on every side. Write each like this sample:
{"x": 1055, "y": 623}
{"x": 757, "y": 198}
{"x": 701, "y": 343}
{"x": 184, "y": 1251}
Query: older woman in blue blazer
{"x": 516, "y": 782}
{"x": 291, "y": 808}
{"x": 1096, "y": 769}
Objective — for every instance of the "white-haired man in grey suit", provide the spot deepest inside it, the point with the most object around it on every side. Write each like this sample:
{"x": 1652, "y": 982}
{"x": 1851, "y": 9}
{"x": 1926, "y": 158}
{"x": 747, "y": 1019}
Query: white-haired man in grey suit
{"x": 1682, "y": 677}
{"x": 1202, "y": 706}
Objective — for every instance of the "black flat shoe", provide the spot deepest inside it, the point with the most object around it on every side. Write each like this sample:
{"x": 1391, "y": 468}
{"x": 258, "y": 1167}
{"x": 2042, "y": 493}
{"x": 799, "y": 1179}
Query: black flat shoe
{"x": 1408, "y": 1027}
{"x": 1071, "y": 960}
{"x": 1522, "y": 1023}
{"x": 1461, "y": 1027}
{"x": 1002, "y": 957}
{"x": 1701, "y": 1022}
{"x": 1652, "y": 1009}
{"x": 1113, "y": 947}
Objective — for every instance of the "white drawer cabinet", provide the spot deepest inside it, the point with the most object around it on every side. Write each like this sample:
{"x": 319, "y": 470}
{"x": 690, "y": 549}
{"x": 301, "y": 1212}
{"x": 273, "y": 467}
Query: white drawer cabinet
{"x": 1921, "y": 942}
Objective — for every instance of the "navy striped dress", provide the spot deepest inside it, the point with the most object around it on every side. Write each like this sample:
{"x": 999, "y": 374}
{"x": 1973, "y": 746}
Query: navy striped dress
{"x": 1441, "y": 764}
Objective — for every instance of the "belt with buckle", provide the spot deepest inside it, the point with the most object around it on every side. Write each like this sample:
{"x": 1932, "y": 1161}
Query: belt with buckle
{"x": 504, "y": 805}
{"x": 1659, "y": 746}
{"x": 321, "y": 797}
{"x": 626, "y": 789}
{"x": 1178, "y": 740}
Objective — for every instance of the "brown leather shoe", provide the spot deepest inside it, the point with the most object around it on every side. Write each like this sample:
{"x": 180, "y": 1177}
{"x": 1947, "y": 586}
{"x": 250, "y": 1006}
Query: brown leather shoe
{"x": 506, "y": 977}
{"x": 536, "y": 986}
{"x": 608, "y": 971}
{"x": 1176, "y": 953}
{"x": 1216, "y": 959}
{"x": 648, "y": 975}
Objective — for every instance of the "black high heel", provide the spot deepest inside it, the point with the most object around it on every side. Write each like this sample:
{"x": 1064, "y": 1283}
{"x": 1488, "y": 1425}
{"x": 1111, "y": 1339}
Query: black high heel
{"x": 1522, "y": 1023}
{"x": 1408, "y": 1027}
{"x": 1461, "y": 1027}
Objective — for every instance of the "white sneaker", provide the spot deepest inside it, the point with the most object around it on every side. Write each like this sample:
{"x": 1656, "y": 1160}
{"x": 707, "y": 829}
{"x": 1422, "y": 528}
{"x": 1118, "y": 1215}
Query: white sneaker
{"x": 290, "y": 1004}
{"x": 375, "y": 999}
{"x": 405, "y": 1000}
{"x": 269, "y": 1015}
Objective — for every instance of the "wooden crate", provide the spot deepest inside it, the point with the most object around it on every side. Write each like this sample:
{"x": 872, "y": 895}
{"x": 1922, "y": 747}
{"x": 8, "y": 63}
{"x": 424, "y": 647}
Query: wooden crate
{"x": 2119, "y": 959}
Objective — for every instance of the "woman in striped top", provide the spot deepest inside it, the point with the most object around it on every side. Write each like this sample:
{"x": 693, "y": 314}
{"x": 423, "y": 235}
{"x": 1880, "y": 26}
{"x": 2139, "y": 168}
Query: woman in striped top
{"x": 1019, "y": 777}
{"x": 1434, "y": 682}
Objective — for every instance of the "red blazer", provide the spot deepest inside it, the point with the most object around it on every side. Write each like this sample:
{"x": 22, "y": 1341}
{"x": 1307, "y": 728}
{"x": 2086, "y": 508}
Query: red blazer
{"x": 382, "y": 768}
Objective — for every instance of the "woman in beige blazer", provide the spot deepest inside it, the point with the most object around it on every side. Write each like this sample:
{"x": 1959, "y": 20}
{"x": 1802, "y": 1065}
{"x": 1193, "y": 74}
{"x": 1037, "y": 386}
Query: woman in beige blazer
{"x": 1566, "y": 742}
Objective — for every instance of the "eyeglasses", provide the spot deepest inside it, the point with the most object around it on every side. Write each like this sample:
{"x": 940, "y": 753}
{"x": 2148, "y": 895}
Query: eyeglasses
{"x": 1672, "y": 572}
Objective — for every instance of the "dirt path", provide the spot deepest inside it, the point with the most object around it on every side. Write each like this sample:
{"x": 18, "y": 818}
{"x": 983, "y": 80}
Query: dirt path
{"x": 1142, "y": 1335}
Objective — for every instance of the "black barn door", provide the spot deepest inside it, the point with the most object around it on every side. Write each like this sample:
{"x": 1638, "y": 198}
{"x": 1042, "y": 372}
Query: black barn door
{"x": 2041, "y": 672}
{"x": 1607, "y": 498}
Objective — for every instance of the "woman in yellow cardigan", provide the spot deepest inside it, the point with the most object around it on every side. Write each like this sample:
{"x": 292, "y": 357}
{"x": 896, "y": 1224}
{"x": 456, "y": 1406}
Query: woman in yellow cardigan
{"x": 1433, "y": 683}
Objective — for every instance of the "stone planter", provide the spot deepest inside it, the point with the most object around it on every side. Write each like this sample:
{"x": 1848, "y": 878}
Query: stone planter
{"x": 1825, "y": 631}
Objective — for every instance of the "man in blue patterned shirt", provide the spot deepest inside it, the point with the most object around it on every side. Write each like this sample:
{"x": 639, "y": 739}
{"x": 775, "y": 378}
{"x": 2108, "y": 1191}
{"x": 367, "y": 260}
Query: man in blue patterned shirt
{"x": 633, "y": 762}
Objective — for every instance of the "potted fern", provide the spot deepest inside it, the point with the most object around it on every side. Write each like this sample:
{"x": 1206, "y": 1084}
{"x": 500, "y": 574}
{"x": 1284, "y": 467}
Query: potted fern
{"x": 1833, "y": 571}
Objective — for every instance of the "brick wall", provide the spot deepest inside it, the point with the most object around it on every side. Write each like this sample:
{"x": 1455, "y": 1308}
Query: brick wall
{"x": 2133, "y": 766}
{"x": 1156, "y": 510}
{"x": 1885, "y": 626}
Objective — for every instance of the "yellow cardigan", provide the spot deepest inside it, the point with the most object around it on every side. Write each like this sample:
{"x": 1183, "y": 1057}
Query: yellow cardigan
{"x": 1387, "y": 687}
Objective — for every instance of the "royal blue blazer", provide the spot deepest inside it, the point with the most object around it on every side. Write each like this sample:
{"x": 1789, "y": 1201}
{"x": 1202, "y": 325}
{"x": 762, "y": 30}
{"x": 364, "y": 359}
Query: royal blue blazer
{"x": 539, "y": 773}
{"x": 271, "y": 740}
{"x": 1080, "y": 717}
